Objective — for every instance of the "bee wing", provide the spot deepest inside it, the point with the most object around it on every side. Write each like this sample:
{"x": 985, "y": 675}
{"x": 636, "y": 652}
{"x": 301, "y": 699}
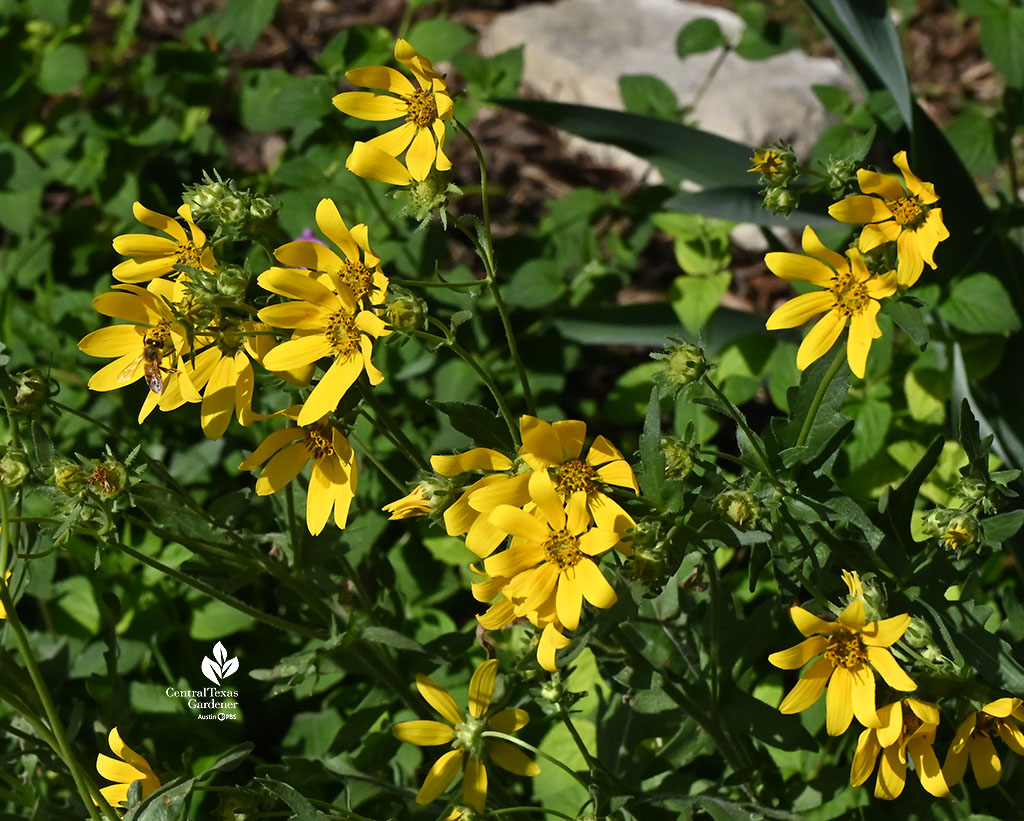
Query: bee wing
{"x": 129, "y": 374}
{"x": 155, "y": 379}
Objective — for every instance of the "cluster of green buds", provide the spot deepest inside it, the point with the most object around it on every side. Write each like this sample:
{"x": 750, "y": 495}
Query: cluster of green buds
{"x": 683, "y": 363}
{"x": 650, "y": 560}
{"x": 237, "y": 214}
{"x": 954, "y": 529}
{"x": 222, "y": 289}
{"x": 778, "y": 169}
{"x": 422, "y": 199}
{"x": 91, "y": 490}
{"x": 985, "y": 495}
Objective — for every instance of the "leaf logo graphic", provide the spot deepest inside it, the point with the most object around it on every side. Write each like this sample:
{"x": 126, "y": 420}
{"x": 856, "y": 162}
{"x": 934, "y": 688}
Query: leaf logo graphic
{"x": 220, "y": 666}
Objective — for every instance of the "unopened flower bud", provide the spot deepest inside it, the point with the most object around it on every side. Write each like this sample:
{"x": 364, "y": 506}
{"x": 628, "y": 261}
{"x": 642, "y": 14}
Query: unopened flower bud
{"x": 776, "y": 165}
{"x": 422, "y": 199}
{"x": 839, "y": 175}
{"x": 33, "y": 390}
{"x": 780, "y": 201}
{"x": 13, "y": 469}
{"x": 960, "y": 531}
{"x": 234, "y": 213}
{"x": 405, "y": 312}
{"x": 552, "y": 690}
{"x": 68, "y": 477}
{"x": 739, "y": 507}
{"x": 679, "y": 457}
{"x": 683, "y": 364}
{"x": 429, "y": 496}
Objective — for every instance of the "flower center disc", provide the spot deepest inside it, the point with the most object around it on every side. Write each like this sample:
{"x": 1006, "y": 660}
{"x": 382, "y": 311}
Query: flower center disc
{"x": 188, "y": 254}
{"x": 851, "y": 295}
{"x": 318, "y": 443}
{"x": 342, "y": 333}
{"x": 563, "y": 550}
{"x": 576, "y": 475}
{"x": 421, "y": 108}
{"x": 158, "y": 334}
{"x": 357, "y": 277}
{"x": 845, "y": 651}
{"x": 906, "y": 211}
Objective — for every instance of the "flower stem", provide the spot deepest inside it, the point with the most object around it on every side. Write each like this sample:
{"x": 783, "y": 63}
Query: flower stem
{"x": 741, "y": 422}
{"x": 386, "y": 423}
{"x": 511, "y": 739}
{"x": 819, "y": 396}
{"x": 485, "y": 248}
{"x": 213, "y": 592}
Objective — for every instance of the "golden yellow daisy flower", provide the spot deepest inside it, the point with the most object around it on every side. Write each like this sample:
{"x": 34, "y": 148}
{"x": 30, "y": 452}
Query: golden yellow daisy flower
{"x": 974, "y": 740}
{"x": 425, "y": 109}
{"x": 504, "y": 611}
{"x": 851, "y": 295}
{"x": 418, "y": 502}
{"x": 465, "y": 736}
{"x": 903, "y": 213}
{"x": 125, "y": 770}
{"x": 360, "y": 268}
{"x": 327, "y": 322}
{"x": 3, "y": 610}
{"x": 153, "y": 346}
{"x": 907, "y": 729}
{"x": 153, "y": 256}
{"x": 849, "y": 649}
{"x": 553, "y": 449}
{"x": 332, "y": 483}
{"x": 549, "y": 565}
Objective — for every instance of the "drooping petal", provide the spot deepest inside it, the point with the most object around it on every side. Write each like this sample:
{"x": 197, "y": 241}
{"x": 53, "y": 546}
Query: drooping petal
{"x": 320, "y": 497}
{"x": 596, "y": 588}
{"x": 862, "y": 694}
{"x": 892, "y": 775}
{"x": 394, "y": 142}
{"x": 985, "y": 764}
{"x": 863, "y": 330}
{"x": 516, "y": 522}
{"x": 551, "y": 640}
{"x": 512, "y": 758}
{"x": 440, "y": 776}
{"x": 437, "y": 697}
{"x": 890, "y": 719}
{"x": 542, "y": 491}
{"x": 475, "y": 459}
{"x": 282, "y": 468}
{"x": 474, "y": 784}
{"x": 508, "y": 721}
{"x": 288, "y": 282}
{"x": 330, "y": 389}
{"x": 366, "y": 105}
{"x": 298, "y": 351}
{"x": 926, "y": 765}
{"x": 269, "y": 446}
{"x": 820, "y": 339}
{"x": 498, "y": 615}
{"x": 219, "y": 398}
{"x": 864, "y": 758}
{"x": 1012, "y": 735}
{"x": 569, "y": 599}
{"x": 839, "y": 701}
{"x": 421, "y": 155}
{"x": 882, "y": 660}
{"x": 808, "y": 688}
{"x": 423, "y": 733}
{"x": 910, "y": 259}
{"x": 329, "y": 219}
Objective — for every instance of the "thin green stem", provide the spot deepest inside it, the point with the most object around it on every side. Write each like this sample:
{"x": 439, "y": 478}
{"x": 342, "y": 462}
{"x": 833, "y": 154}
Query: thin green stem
{"x": 523, "y": 810}
{"x": 387, "y": 422}
{"x": 376, "y": 462}
{"x": 741, "y": 422}
{"x": 418, "y": 283}
{"x": 485, "y": 247}
{"x": 819, "y": 396}
{"x": 294, "y": 531}
{"x": 219, "y": 595}
{"x": 563, "y": 714}
{"x": 714, "y": 639}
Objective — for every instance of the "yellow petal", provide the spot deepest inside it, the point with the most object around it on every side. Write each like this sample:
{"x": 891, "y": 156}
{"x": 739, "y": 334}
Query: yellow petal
{"x": 475, "y": 459}
{"x": 808, "y": 688}
{"x": 551, "y": 640}
{"x": 516, "y": 522}
{"x": 320, "y": 497}
{"x": 365, "y": 105}
{"x": 305, "y": 253}
{"x": 570, "y": 433}
{"x": 810, "y": 625}
{"x": 985, "y": 764}
{"x": 512, "y": 758}
{"x": 421, "y": 155}
{"x": 871, "y": 236}
{"x": 569, "y": 598}
{"x": 890, "y": 719}
{"x": 786, "y": 265}
{"x": 884, "y": 185}
{"x": 510, "y": 490}
{"x": 334, "y": 228}
{"x": 839, "y": 701}
{"x": 862, "y": 694}
{"x": 369, "y": 162}
{"x": 440, "y": 776}
{"x": 541, "y": 447}
{"x": 853, "y": 616}
{"x": 508, "y": 721}
{"x": 886, "y": 632}
{"x": 219, "y": 398}
{"x": 423, "y": 733}
{"x": 800, "y": 309}
{"x": 298, "y": 285}
{"x": 113, "y": 341}
{"x": 160, "y": 222}
{"x": 271, "y": 445}
{"x": 474, "y": 785}
{"x": 330, "y": 389}
{"x": 618, "y": 473}
{"x": 816, "y": 248}
{"x": 820, "y": 339}
{"x": 796, "y": 657}
{"x": 926, "y": 765}
{"x": 381, "y": 77}
{"x": 594, "y": 585}
{"x": 864, "y": 758}
{"x": 542, "y": 491}
{"x": 863, "y": 330}
{"x": 860, "y": 209}
{"x": 297, "y": 351}
{"x": 438, "y": 698}
{"x": 924, "y": 191}
{"x": 481, "y": 687}
{"x": 394, "y": 142}
{"x": 892, "y": 775}
{"x": 282, "y": 468}
{"x": 882, "y": 660}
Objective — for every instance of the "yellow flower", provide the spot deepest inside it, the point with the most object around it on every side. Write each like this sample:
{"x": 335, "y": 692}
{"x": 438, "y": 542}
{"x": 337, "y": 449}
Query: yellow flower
{"x": 332, "y": 484}
{"x": 326, "y": 322}
{"x": 153, "y": 256}
{"x": 3, "y": 610}
{"x": 359, "y": 270}
{"x": 154, "y": 346}
{"x": 464, "y": 735}
{"x": 851, "y": 294}
{"x": 125, "y": 770}
{"x": 907, "y": 728}
{"x": 849, "y": 649}
{"x": 425, "y": 109}
{"x": 903, "y": 213}
{"x": 553, "y": 449}
{"x": 418, "y": 502}
{"x": 974, "y": 740}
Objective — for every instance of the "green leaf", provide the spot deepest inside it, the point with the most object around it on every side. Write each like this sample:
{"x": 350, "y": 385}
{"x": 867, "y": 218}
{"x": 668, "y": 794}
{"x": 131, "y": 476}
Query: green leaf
{"x": 392, "y": 638}
{"x": 897, "y": 504}
{"x": 652, "y": 460}
{"x": 679, "y": 151}
{"x": 927, "y": 391}
{"x": 440, "y": 39}
{"x": 1002, "y": 39}
{"x": 991, "y": 656}
{"x": 972, "y": 134}
{"x": 907, "y": 318}
{"x": 21, "y": 188}
{"x": 1002, "y": 526}
{"x": 694, "y": 299}
{"x": 744, "y": 204}
{"x": 215, "y": 619}
{"x": 273, "y": 100}
{"x": 495, "y": 76}
{"x": 166, "y": 804}
{"x": 62, "y": 69}
{"x": 534, "y": 285}
{"x": 979, "y": 304}
{"x": 304, "y": 811}
{"x": 702, "y": 245}
{"x": 243, "y": 21}
{"x": 698, "y": 36}
{"x": 648, "y": 95}
{"x": 484, "y": 428}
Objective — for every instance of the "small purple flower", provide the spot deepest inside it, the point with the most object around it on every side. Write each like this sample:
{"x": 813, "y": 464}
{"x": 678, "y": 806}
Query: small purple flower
{"x": 307, "y": 235}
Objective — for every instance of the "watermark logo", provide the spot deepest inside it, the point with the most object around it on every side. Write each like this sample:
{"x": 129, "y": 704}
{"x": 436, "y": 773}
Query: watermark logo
{"x": 220, "y": 666}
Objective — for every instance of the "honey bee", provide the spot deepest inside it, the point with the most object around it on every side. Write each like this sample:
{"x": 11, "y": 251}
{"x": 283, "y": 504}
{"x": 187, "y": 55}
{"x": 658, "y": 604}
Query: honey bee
{"x": 151, "y": 359}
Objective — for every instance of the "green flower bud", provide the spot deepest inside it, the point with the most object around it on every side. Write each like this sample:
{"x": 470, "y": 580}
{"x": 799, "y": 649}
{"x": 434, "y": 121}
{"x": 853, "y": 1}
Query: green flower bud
{"x": 405, "y": 312}
{"x": 780, "y": 201}
{"x": 683, "y": 364}
{"x": 14, "y": 469}
{"x": 679, "y": 457}
{"x": 776, "y": 165}
{"x": 233, "y": 213}
{"x": 840, "y": 175}
{"x": 553, "y": 690}
{"x": 422, "y": 199}
{"x": 68, "y": 477}
{"x": 109, "y": 479}
{"x": 739, "y": 507}
{"x": 960, "y": 531}
{"x": 33, "y": 390}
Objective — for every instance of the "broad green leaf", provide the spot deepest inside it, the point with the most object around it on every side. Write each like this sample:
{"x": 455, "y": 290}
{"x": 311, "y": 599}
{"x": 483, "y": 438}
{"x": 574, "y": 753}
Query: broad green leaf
{"x": 648, "y": 95}
{"x": 681, "y": 152}
{"x": 21, "y": 188}
{"x": 62, "y": 69}
{"x": 972, "y": 134}
{"x": 745, "y": 204}
{"x": 927, "y": 391}
{"x": 242, "y": 22}
{"x": 1002, "y": 526}
{"x": 440, "y": 39}
{"x": 1002, "y": 37}
{"x": 698, "y": 36}
{"x": 273, "y": 100}
{"x": 534, "y": 285}
{"x": 215, "y": 620}
{"x": 908, "y": 319}
{"x": 302, "y": 809}
{"x": 980, "y": 304}
{"x": 702, "y": 245}
{"x": 652, "y": 460}
{"x": 694, "y": 299}
{"x": 479, "y": 424}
